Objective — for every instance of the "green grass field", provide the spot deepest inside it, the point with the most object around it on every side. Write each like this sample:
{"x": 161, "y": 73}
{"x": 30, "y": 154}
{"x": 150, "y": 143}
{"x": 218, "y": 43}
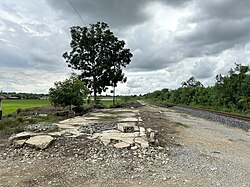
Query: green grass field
{"x": 10, "y": 106}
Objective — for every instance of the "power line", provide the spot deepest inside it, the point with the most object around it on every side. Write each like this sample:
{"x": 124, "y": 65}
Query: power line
{"x": 77, "y": 12}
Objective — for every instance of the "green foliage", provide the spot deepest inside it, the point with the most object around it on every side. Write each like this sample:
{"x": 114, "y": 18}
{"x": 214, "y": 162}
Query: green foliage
{"x": 231, "y": 93}
{"x": 99, "y": 55}
{"x": 67, "y": 93}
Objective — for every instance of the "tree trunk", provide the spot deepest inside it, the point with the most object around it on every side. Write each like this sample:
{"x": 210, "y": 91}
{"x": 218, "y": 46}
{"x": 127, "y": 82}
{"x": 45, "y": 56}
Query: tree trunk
{"x": 95, "y": 98}
{"x": 114, "y": 95}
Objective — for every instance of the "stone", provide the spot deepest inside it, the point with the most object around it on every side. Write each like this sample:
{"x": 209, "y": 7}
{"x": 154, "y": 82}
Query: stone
{"x": 134, "y": 147}
{"x": 40, "y": 141}
{"x": 121, "y": 145}
{"x": 152, "y": 137}
{"x": 142, "y": 142}
{"x": 21, "y": 136}
{"x": 129, "y": 119}
{"x": 56, "y": 134}
{"x": 19, "y": 143}
{"x": 125, "y": 127}
{"x": 149, "y": 130}
{"x": 108, "y": 135}
{"x": 142, "y": 131}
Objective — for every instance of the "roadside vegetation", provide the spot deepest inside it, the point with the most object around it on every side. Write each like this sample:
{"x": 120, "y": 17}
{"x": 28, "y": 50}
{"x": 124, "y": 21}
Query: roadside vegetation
{"x": 231, "y": 93}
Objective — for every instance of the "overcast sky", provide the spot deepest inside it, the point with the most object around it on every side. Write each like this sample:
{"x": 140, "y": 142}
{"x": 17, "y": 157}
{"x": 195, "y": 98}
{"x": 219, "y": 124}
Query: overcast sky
{"x": 171, "y": 40}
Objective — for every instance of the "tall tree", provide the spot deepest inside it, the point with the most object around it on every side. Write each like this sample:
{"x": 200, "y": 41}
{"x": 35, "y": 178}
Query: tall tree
{"x": 99, "y": 55}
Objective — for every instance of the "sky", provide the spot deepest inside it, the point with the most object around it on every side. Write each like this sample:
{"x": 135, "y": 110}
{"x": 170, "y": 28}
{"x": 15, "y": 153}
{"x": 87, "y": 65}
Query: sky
{"x": 171, "y": 40}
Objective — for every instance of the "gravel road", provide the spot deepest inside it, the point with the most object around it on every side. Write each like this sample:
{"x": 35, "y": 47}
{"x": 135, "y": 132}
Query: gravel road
{"x": 193, "y": 152}
{"x": 211, "y": 153}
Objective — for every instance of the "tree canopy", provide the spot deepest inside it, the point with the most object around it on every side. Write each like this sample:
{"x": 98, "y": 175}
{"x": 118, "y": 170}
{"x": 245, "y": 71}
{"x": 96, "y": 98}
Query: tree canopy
{"x": 231, "y": 93}
{"x": 67, "y": 93}
{"x": 99, "y": 55}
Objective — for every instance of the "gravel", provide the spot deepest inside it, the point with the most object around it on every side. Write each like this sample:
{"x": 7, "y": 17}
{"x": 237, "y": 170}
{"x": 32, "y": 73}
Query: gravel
{"x": 91, "y": 159}
{"x": 215, "y": 117}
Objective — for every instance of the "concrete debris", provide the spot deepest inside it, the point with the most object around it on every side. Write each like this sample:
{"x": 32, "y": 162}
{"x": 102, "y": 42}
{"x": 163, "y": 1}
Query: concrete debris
{"x": 124, "y": 127}
{"x": 121, "y": 145}
{"x": 41, "y": 142}
{"x": 21, "y": 136}
{"x": 152, "y": 137}
{"x": 142, "y": 131}
{"x": 19, "y": 143}
{"x": 129, "y": 119}
{"x": 144, "y": 143}
{"x": 124, "y": 132}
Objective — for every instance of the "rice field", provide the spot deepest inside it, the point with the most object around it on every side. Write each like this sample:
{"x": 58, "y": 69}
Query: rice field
{"x": 10, "y": 106}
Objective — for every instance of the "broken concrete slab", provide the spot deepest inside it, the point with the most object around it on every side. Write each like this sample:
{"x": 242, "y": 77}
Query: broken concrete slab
{"x": 121, "y": 145}
{"x": 105, "y": 140}
{"x": 41, "y": 141}
{"x": 80, "y": 120}
{"x": 125, "y": 127}
{"x": 142, "y": 142}
{"x": 107, "y": 136}
{"x": 21, "y": 135}
{"x": 56, "y": 134}
{"x": 100, "y": 114}
{"x": 131, "y": 114}
{"x": 128, "y": 119}
{"x": 142, "y": 132}
{"x": 19, "y": 143}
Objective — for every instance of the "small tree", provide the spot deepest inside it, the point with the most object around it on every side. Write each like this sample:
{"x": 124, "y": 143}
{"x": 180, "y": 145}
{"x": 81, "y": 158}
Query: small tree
{"x": 67, "y": 93}
{"x": 99, "y": 55}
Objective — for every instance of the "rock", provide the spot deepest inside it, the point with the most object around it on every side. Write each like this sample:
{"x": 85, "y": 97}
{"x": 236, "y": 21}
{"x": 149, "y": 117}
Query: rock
{"x": 134, "y": 147}
{"x": 142, "y": 142}
{"x": 21, "y": 136}
{"x": 121, "y": 145}
{"x": 128, "y": 119}
{"x": 149, "y": 130}
{"x": 41, "y": 141}
{"x": 125, "y": 127}
{"x": 142, "y": 131}
{"x": 56, "y": 134}
{"x": 19, "y": 143}
{"x": 152, "y": 137}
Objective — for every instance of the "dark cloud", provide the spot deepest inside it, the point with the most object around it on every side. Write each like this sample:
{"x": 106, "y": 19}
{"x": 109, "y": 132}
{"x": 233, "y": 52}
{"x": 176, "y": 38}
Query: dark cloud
{"x": 219, "y": 26}
{"x": 116, "y": 13}
{"x": 223, "y": 9}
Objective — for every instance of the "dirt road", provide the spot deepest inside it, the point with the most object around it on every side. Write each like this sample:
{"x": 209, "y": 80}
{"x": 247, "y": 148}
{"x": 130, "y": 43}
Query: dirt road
{"x": 194, "y": 152}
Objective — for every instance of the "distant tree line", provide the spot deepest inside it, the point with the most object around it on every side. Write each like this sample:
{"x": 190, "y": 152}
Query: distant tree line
{"x": 231, "y": 93}
{"x": 14, "y": 95}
